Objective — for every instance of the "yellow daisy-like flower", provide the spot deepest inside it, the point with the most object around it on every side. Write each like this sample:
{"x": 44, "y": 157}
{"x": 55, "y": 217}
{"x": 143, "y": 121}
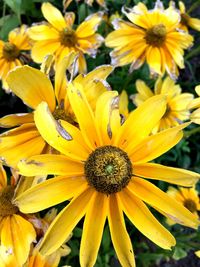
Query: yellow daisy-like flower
{"x": 177, "y": 102}
{"x": 11, "y": 52}
{"x": 188, "y": 197}
{"x": 151, "y": 35}
{"x": 59, "y": 38}
{"x": 195, "y": 104}
{"x": 102, "y": 169}
{"x": 186, "y": 20}
{"x": 33, "y": 87}
{"x": 16, "y": 232}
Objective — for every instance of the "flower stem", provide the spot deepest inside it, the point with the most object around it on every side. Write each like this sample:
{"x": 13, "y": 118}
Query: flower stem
{"x": 191, "y": 132}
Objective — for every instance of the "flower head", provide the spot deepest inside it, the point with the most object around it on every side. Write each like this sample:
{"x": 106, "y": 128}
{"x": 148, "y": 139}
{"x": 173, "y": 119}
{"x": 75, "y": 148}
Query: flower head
{"x": 102, "y": 169}
{"x": 16, "y": 232}
{"x": 152, "y": 36}
{"x": 177, "y": 102}
{"x": 187, "y": 21}
{"x": 33, "y": 87}
{"x": 11, "y": 52}
{"x": 187, "y": 196}
{"x": 58, "y": 36}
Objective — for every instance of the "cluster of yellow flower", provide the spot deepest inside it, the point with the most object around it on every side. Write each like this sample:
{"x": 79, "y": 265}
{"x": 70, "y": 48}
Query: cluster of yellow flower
{"x": 81, "y": 133}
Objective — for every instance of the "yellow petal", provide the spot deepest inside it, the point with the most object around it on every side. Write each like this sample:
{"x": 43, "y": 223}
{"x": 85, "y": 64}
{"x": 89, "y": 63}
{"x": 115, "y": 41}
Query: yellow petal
{"x": 194, "y": 23}
{"x": 50, "y": 164}
{"x": 12, "y": 120}
{"x": 153, "y": 58}
{"x": 167, "y": 174}
{"x": 43, "y": 32}
{"x": 61, "y": 135}
{"x": 22, "y": 142}
{"x": 123, "y": 104}
{"x": 54, "y": 16}
{"x": 143, "y": 89}
{"x": 82, "y": 64}
{"x": 157, "y": 144}
{"x": 161, "y": 201}
{"x": 43, "y": 48}
{"x": 17, "y": 234}
{"x": 146, "y": 223}
{"x": 93, "y": 229}
{"x": 103, "y": 115}
{"x": 100, "y": 73}
{"x": 84, "y": 115}
{"x": 65, "y": 222}
{"x": 3, "y": 177}
{"x": 32, "y": 86}
{"x": 89, "y": 25}
{"x": 138, "y": 125}
{"x": 49, "y": 193}
{"x": 61, "y": 81}
{"x": 119, "y": 235}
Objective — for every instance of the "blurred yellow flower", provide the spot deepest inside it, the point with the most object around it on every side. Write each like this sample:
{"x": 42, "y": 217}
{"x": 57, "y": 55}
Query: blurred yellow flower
{"x": 16, "y": 232}
{"x": 188, "y": 197}
{"x": 195, "y": 104}
{"x": 102, "y": 169}
{"x": 186, "y": 20}
{"x": 36, "y": 259}
{"x": 152, "y": 36}
{"x": 33, "y": 87}
{"x": 59, "y": 38}
{"x": 11, "y": 52}
{"x": 177, "y": 102}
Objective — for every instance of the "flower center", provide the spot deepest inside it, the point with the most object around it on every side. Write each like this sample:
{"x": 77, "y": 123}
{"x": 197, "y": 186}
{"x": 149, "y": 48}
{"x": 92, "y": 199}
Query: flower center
{"x": 60, "y": 114}
{"x": 10, "y": 51}
{"x": 184, "y": 19}
{"x": 68, "y": 37}
{"x": 167, "y": 112}
{"x": 156, "y": 35}
{"x": 190, "y": 205}
{"x": 6, "y": 205}
{"x": 108, "y": 169}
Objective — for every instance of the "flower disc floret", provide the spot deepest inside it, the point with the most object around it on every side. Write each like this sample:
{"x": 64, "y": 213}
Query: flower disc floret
{"x": 156, "y": 35}
{"x": 108, "y": 169}
{"x": 190, "y": 205}
{"x": 6, "y": 206}
{"x": 68, "y": 38}
{"x": 10, "y": 51}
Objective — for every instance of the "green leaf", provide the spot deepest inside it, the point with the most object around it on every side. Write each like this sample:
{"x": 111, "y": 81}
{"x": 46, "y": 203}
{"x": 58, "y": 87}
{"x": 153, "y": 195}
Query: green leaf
{"x": 10, "y": 22}
{"x": 179, "y": 253}
{"x": 15, "y": 5}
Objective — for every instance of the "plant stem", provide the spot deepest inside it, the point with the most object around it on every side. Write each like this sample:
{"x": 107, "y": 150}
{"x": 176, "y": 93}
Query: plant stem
{"x": 191, "y": 132}
{"x": 194, "y": 6}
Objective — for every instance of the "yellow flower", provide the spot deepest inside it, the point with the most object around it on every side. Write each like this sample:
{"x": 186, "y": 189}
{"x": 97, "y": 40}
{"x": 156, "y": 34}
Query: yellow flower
{"x": 16, "y": 232}
{"x": 195, "y": 104}
{"x": 59, "y": 38}
{"x": 36, "y": 259}
{"x": 102, "y": 169}
{"x": 11, "y": 52}
{"x": 152, "y": 36}
{"x": 33, "y": 87}
{"x": 197, "y": 253}
{"x": 186, "y": 20}
{"x": 188, "y": 197}
{"x": 177, "y": 102}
